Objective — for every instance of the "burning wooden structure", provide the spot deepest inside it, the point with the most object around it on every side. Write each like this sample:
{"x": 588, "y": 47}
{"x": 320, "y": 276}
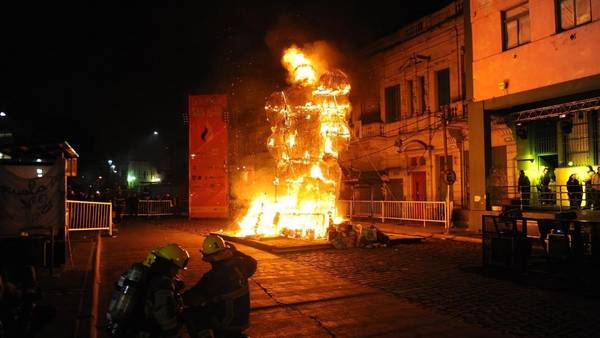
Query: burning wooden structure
{"x": 309, "y": 129}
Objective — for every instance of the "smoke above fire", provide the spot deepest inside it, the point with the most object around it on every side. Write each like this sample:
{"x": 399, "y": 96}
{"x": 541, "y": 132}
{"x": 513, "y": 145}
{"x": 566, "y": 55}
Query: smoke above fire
{"x": 308, "y": 131}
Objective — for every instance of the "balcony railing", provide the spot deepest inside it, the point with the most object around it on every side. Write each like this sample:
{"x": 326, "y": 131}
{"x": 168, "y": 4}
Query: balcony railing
{"x": 457, "y": 112}
{"x": 371, "y": 130}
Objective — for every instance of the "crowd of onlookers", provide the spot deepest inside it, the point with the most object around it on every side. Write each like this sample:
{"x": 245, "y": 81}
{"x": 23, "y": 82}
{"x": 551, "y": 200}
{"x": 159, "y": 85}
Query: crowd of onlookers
{"x": 108, "y": 195}
{"x": 122, "y": 202}
{"x": 575, "y": 189}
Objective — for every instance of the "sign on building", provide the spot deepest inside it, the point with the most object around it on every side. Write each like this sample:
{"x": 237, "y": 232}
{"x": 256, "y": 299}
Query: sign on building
{"x": 208, "y": 144}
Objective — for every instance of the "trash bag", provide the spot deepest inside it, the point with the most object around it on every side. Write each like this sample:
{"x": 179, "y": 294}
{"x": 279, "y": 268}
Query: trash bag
{"x": 382, "y": 238}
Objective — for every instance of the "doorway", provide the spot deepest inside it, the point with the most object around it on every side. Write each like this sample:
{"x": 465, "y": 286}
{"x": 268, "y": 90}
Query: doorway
{"x": 419, "y": 188}
{"x": 549, "y": 161}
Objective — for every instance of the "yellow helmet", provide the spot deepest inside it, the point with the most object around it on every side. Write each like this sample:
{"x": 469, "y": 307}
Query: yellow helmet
{"x": 150, "y": 259}
{"x": 174, "y": 253}
{"x": 213, "y": 244}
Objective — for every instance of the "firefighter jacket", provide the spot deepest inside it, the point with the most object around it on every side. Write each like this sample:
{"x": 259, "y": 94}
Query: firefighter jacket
{"x": 224, "y": 289}
{"x": 163, "y": 307}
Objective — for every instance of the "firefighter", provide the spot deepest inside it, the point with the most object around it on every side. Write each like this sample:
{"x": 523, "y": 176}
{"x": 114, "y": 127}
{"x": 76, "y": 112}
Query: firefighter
{"x": 219, "y": 303}
{"x": 162, "y": 308}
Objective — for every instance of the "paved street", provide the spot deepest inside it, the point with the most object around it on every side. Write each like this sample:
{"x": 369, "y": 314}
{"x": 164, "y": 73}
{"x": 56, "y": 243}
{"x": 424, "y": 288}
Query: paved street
{"x": 290, "y": 298}
{"x": 446, "y": 276}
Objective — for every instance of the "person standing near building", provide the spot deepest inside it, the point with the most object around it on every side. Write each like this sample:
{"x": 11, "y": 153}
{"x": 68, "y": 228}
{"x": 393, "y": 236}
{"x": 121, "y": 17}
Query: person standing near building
{"x": 524, "y": 188}
{"x": 596, "y": 189}
{"x": 546, "y": 197}
{"x": 589, "y": 199}
{"x": 575, "y": 192}
{"x": 119, "y": 205}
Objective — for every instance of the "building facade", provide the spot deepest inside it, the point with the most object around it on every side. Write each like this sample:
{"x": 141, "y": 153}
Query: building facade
{"x": 416, "y": 79}
{"x": 535, "y": 67}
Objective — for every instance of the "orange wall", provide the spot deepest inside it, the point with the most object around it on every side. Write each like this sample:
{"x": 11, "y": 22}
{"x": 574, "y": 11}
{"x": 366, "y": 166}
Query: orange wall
{"x": 550, "y": 58}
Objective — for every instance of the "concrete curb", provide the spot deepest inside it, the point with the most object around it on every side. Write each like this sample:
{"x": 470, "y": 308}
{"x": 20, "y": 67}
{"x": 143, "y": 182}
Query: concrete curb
{"x": 96, "y": 289}
{"x": 439, "y": 236}
{"x": 458, "y": 238}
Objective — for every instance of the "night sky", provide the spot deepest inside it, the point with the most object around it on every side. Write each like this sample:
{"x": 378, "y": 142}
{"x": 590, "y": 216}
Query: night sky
{"x": 104, "y": 76}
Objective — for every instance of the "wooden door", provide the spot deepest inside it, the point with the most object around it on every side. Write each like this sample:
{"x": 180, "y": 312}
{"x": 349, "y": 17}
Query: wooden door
{"x": 419, "y": 189}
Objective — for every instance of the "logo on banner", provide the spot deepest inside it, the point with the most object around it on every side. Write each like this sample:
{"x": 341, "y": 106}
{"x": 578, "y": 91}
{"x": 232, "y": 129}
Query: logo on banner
{"x": 207, "y": 134}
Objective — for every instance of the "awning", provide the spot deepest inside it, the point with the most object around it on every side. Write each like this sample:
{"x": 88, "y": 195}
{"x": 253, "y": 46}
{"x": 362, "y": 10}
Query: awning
{"x": 43, "y": 151}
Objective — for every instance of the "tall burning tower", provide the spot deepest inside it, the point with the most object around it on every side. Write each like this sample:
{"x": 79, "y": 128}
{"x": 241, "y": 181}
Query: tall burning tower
{"x": 309, "y": 129}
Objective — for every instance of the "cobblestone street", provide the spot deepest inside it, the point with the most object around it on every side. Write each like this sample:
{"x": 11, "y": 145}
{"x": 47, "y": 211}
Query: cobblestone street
{"x": 447, "y": 276}
{"x": 289, "y": 298}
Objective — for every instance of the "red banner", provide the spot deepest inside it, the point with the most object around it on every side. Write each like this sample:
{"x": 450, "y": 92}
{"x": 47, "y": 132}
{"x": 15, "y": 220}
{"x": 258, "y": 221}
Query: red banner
{"x": 208, "y": 182}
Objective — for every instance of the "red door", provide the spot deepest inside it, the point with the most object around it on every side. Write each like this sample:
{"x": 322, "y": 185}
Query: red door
{"x": 419, "y": 191}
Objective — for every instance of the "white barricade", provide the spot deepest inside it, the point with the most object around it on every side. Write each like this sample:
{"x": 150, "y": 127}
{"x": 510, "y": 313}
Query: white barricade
{"x": 422, "y": 211}
{"x": 155, "y": 208}
{"x": 84, "y": 215}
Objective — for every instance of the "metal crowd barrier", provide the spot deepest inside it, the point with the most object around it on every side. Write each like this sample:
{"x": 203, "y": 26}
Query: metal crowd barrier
{"x": 554, "y": 197}
{"x": 421, "y": 211}
{"x": 155, "y": 208}
{"x": 84, "y": 215}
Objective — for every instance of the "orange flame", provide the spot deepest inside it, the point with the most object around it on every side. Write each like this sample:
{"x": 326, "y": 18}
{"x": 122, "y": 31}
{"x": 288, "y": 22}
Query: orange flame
{"x": 309, "y": 129}
{"x": 299, "y": 67}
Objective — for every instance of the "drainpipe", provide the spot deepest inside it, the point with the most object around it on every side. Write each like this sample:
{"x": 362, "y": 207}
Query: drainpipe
{"x": 458, "y": 70}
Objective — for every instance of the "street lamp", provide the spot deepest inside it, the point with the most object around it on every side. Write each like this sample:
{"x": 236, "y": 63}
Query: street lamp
{"x": 2, "y": 114}
{"x": 155, "y": 132}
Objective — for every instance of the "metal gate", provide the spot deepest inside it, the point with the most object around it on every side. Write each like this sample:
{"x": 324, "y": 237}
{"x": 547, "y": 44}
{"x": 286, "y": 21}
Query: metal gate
{"x": 84, "y": 215}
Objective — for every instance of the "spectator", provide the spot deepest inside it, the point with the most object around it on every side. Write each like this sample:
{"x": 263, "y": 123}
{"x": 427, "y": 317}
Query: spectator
{"x": 546, "y": 194}
{"x": 575, "y": 192}
{"x": 589, "y": 199}
{"x": 596, "y": 189}
{"x": 132, "y": 204}
{"x": 524, "y": 188}
{"x": 119, "y": 204}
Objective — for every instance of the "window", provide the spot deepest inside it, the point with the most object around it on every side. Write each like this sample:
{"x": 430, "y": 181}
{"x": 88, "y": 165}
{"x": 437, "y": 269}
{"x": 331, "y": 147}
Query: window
{"x": 573, "y": 13}
{"x": 578, "y": 142}
{"x": 516, "y": 26}
{"x": 421, "y": 93}
{"x": 392, "y": 103}
{"x": 409, "y": 98}
{"x": 443, "y": 87}
{"x": 545, "y": 141}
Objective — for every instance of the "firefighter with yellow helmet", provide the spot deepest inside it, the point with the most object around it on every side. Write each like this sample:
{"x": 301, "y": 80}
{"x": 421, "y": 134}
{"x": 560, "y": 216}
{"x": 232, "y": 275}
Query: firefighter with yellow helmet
{"x": 146, "y": 302}
{"x": 219, "y": 304}
{"x": 162, "y": 308}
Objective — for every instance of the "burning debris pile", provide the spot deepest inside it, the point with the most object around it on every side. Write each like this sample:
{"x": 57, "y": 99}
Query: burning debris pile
{"x": 347, "y": 235}
{"x": 309, "y": 129}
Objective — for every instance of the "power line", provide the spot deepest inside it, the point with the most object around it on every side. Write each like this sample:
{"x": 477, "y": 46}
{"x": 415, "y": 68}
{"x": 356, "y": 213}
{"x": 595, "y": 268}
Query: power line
{"x": 388, "y": 147}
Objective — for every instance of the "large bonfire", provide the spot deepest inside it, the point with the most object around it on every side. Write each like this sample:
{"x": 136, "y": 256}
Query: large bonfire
{"x": 309, "y": 129}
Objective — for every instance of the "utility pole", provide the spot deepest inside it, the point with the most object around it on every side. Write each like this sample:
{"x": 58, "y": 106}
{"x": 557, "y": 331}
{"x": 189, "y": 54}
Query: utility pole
{"x": 448, "y": 182}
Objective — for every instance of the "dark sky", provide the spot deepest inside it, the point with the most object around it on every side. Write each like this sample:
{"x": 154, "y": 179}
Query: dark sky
{"x": 104, "y": 76}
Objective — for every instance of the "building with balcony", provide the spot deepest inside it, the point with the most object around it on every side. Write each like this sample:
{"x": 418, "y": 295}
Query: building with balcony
{"x": 535, "y": 67}
{"x": 414, "y": 80}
